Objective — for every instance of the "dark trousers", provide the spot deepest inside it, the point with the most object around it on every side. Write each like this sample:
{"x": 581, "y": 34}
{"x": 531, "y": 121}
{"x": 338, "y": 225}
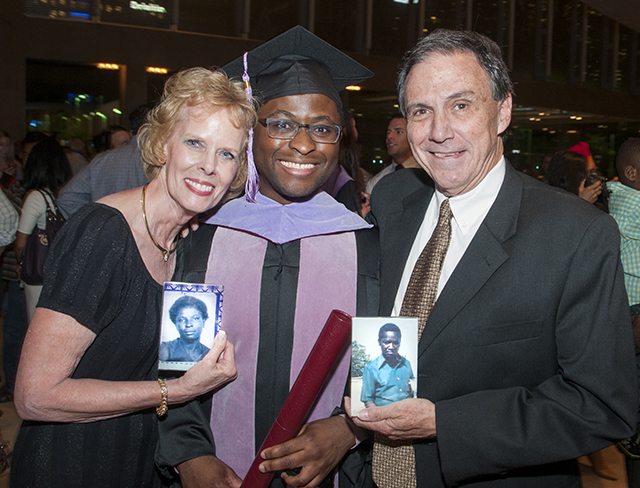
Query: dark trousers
{"x": 633, "y": 472}
{"x": 15, "y": 327}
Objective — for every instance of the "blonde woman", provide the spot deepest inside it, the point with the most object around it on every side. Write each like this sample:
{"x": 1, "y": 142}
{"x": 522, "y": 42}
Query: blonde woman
{"x": 86, "y": 383}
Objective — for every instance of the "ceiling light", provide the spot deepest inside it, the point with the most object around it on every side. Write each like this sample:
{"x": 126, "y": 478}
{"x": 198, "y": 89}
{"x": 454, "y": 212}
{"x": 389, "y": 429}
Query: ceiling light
{"x": 159, "y": 71}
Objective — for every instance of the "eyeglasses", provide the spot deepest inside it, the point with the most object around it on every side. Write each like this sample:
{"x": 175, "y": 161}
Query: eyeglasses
{"x": 288, "y": 129}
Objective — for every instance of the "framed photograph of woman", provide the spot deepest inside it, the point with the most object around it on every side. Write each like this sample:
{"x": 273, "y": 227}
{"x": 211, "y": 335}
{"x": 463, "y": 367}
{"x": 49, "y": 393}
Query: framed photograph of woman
{"x": 191, "y": 317}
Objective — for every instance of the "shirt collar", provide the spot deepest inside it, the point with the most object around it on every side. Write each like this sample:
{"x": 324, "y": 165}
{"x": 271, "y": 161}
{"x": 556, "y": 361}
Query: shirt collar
{"x": 472, "y": 206}
{"x": 382, "y": 361}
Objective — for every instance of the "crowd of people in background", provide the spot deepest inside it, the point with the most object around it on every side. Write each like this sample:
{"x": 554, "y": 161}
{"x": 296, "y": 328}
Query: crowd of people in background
{"x": 33, "y": 170}
{"x": 572, "y": 169}
{"x": 42, "y": 172}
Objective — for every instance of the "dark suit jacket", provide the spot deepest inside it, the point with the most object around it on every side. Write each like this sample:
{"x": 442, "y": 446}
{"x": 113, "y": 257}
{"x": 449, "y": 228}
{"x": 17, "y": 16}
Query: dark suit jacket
{"x": 528, "y": 353}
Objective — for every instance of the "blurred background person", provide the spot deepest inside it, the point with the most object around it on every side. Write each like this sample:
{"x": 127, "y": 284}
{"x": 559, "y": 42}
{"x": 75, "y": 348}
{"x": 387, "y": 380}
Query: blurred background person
{"x": 77, "y": 154}
{"x": 568, "y": 170}
{"x": 583, "y": 149}
{"x": 100, "y": 142}
{"x": 624, "y": 206}
{"x": 110, "y": 172}
{"x": 398, "y": 148}
{"x": 9, "y": 165}
{"x": 47, "y": 169}
{"x": 114, "y": 137}
{"x": 8, "y": 223}
{"x": 15, "y": 320}
{"x": 345, "y": 183}
{"x": 118, "y": 136}
{"x": 594, "y": 175}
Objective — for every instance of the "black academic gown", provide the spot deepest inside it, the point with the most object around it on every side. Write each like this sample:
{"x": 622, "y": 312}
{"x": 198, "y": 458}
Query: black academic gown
{"x": 185, "y": 432}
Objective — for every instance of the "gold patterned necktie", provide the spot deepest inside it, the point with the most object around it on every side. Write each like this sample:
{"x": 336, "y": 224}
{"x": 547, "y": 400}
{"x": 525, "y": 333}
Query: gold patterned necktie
{"x": 394, "y": 463}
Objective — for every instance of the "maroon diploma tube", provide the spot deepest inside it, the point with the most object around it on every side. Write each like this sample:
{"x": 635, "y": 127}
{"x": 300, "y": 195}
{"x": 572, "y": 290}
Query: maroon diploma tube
{"x": 305, "y": 390}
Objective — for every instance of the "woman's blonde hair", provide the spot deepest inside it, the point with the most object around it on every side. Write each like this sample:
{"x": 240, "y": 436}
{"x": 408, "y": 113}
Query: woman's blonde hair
{"x": 188, "y": 88}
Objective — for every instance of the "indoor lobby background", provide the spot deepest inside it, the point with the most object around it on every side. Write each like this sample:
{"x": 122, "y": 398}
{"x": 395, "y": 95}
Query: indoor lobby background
{"x": 77, "y": 66}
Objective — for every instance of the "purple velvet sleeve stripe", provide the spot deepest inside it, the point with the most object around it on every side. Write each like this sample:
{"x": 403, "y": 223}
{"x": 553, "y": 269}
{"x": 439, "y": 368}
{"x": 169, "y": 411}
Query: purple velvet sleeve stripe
{"x": 235, "y": 261}
{"x": 328, "y": 277}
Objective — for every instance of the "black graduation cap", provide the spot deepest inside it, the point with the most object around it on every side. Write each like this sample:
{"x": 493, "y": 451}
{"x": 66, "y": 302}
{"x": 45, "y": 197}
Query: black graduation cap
{"x": 298, "y": 62}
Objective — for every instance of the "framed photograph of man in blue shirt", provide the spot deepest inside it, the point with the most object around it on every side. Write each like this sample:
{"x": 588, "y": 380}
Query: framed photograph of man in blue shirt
{"x": 383, "y": 352}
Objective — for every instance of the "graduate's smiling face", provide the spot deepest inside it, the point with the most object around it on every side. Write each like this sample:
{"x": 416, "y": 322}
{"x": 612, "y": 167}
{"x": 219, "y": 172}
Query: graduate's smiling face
{"x": 294, "y": 170}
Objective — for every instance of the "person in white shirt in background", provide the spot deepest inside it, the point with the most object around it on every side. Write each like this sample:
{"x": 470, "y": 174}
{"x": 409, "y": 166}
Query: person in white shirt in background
{"x": 46, "y": 170}
{"x": 398, "y": 148}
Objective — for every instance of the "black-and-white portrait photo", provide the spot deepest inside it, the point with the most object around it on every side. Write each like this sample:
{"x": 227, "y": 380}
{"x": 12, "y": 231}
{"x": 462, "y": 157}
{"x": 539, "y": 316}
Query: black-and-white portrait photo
{"x": 190, "y": 321}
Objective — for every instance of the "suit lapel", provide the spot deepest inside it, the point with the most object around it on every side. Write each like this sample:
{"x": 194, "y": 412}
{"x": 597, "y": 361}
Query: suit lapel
{"x": 402, "y": 227}
{"x": 482, "y": 258}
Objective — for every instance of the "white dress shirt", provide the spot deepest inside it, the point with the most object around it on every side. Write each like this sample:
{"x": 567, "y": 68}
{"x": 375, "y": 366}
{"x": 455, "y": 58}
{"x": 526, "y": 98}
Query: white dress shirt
{"x": 469, "y": 210}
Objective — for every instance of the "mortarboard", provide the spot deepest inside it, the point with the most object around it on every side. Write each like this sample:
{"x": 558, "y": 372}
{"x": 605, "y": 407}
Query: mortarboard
{"x": 298, "y": 62}
{"x": 295, "y": 62}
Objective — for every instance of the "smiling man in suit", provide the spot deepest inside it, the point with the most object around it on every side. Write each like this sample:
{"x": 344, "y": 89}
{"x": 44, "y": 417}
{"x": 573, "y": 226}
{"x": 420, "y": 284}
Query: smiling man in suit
{"x": 526, "y": 357}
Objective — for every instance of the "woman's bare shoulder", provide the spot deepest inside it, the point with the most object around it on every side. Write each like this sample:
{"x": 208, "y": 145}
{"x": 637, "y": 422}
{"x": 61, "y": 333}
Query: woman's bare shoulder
{"x": 122, "y": 199}
{"x": 127, "y": 202}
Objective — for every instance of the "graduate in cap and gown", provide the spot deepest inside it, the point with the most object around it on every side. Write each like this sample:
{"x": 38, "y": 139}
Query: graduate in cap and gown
{"x": 286, "y": 257}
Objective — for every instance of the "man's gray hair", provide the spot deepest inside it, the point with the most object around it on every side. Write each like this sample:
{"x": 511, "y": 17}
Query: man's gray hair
{"x": 448, "y": 42}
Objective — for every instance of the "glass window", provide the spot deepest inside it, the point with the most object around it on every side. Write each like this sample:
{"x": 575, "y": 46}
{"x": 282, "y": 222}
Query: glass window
{"x": 269, "y": 18}
{"x": 60, "y": 9}
{"x": 155, "y": 86}
{"x": 623, "y": 74}
{"x": 446, "y": 14}
{"x": 633, "y": 60}
{"x": 525, "y": 38}
{"x": 490, "y": 18}
{"x": 72, "y": 100}
{"x": 594, "y": 49}
{"x": 222, "y": 17}
{"x": 372, "y": 111}
{"x": 341, "y": 23}
{"x": 565, "y": 27}
{"x": 156, "y": 13}
{"x": 392, "y": 32}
